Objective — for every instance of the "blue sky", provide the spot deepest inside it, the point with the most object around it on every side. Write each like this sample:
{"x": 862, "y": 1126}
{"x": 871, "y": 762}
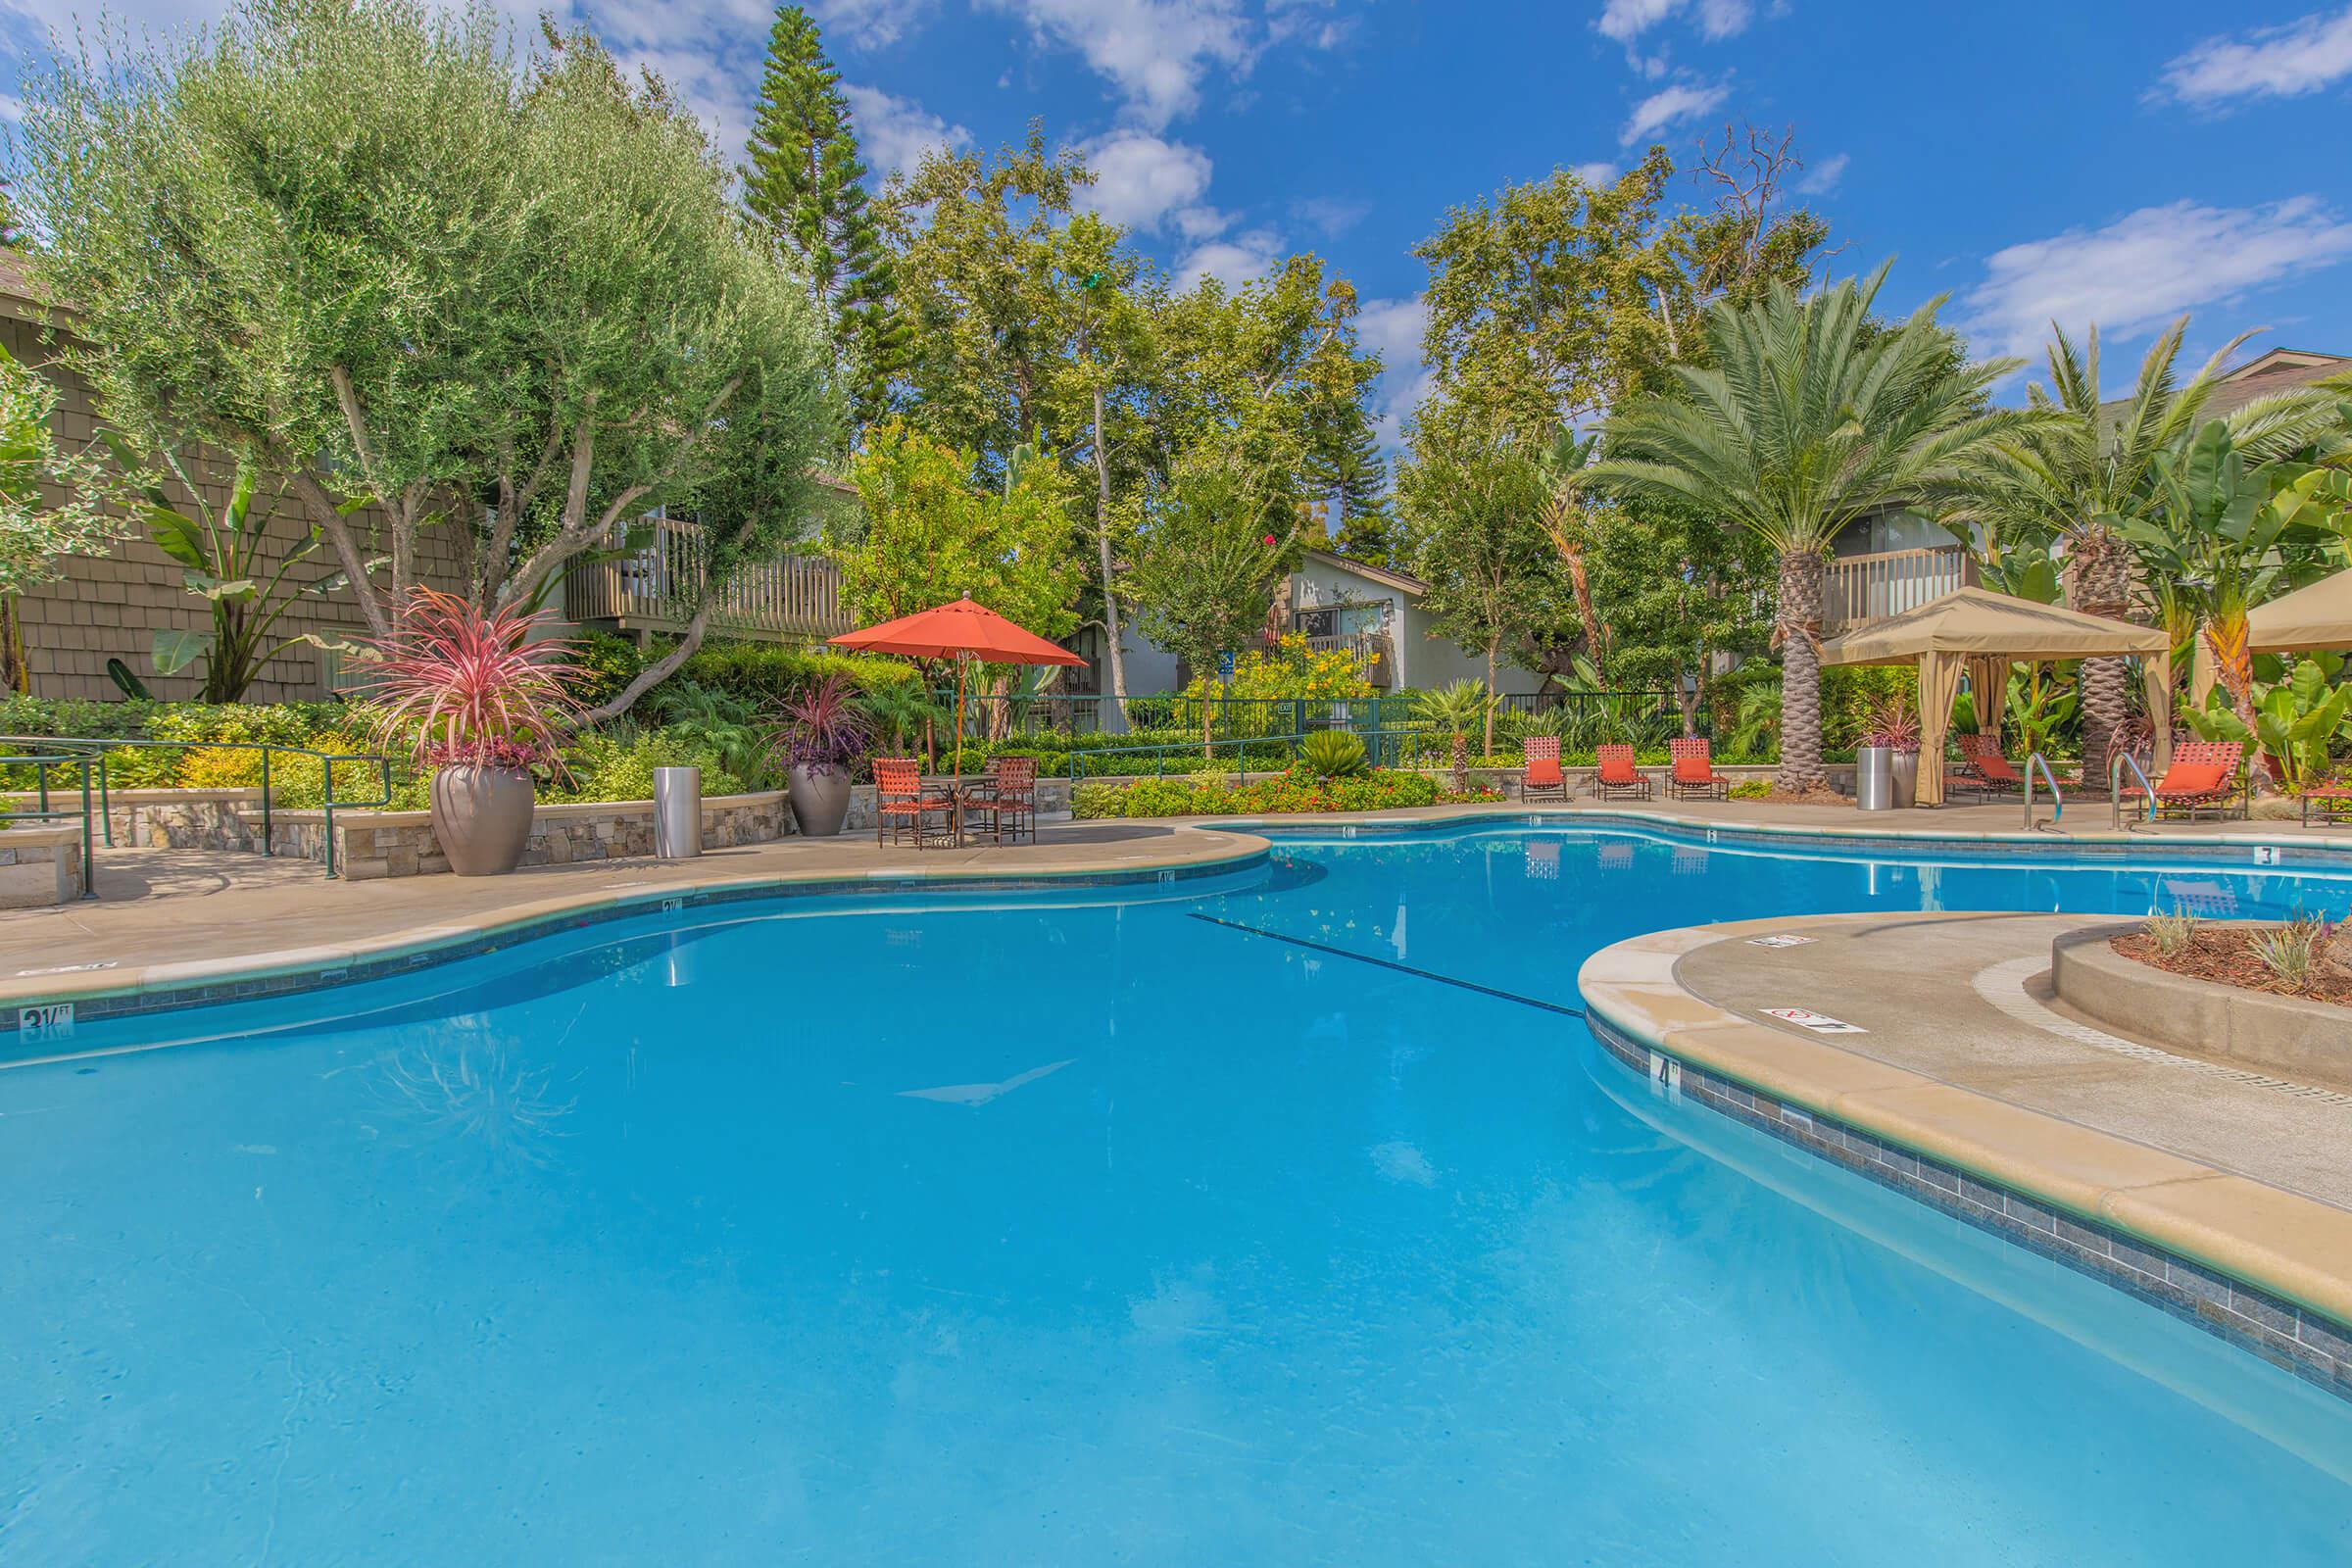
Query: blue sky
{"x": 2123, "y": 163}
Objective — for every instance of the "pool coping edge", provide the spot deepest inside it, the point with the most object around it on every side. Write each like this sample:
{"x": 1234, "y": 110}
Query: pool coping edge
{"x": 2159, "y": 1229}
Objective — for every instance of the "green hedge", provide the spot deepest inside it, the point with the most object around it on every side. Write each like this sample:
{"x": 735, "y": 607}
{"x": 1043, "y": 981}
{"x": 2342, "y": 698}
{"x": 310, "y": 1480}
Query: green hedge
{"x": 1381, "y": 789}
{"x": 765, "y": 673}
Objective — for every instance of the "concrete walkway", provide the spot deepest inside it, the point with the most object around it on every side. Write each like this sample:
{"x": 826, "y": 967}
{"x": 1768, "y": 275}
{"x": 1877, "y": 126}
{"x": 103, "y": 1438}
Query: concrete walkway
{"x": 167, "y": 915}
{"x": 1964, "y": 998}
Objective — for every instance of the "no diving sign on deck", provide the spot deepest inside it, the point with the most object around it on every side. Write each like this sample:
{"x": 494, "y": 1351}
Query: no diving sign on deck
{"x": 1820, "y": 1023}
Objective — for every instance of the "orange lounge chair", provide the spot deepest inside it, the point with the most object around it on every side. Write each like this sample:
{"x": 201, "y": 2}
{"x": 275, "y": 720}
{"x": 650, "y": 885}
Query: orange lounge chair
{"x": 1983, "y": 771}
{"x": 901, "y": 805}
{"x": 1541, "y": 778}
{"x": 1693, "y": 770}
{"x": 1006, "y": 797}
{"x": 2332, "y": 803}
{"x": 1617, "y": 776}
{"x": 2203, "y": 776}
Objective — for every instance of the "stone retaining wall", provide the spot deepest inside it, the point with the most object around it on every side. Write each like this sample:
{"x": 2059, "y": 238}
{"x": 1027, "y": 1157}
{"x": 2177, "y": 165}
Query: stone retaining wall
{"x": 164, "y": 819}
{"x": 382, "y": 844}
{"x": 39, "y": 865}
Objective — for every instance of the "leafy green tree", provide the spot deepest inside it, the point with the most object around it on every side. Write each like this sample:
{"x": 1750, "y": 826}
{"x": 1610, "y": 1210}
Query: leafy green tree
{"x": 1553, "y": 300}
{"x": 432, "y": 285}
{"x": 1671, "y": 590}
{"x": 37, "y": 531}
{"x": 979, "y": 248}
{"x": 1206, "y": 562}
{"x": 2076, "y": 483}
{"x": 929, "y": 534}
{"x": 805, "y": 185}
{"x": 1806, "y": 419}
{"x": 1472, "y": 503}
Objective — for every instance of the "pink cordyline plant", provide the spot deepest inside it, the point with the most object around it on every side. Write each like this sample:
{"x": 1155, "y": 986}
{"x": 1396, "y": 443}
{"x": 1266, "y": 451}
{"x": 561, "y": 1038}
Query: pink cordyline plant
{"x": 472, "y": 685}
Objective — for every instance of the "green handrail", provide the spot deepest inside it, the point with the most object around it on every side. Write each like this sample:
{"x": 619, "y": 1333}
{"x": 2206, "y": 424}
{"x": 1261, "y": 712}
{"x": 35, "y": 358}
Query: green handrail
{"x": 1391, "y": 749}
{"x": 41, "y": 763}
{"x": 92, "y": 751}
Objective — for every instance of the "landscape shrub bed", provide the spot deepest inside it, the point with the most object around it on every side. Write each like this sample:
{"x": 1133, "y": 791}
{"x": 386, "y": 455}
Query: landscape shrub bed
{"x": 1377, "y": 790}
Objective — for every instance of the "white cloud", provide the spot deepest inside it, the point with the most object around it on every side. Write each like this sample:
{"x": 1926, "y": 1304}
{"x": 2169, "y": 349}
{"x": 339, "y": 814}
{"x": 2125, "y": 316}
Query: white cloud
{"x": 1664, "y": 107}
{"x": 2284, "y": 61}
{"x": 1199, "y": 222}
{"x": 1626, "y": 19}
{"x": 1392, "y": 329}
{"x": 869, "y": 24}
{"x": 1242, "y": 259}
{"x": 1156, "y": 52}
{"x": 1334, "y": 215}
{"x": 2147, "y": 267}
{"x": 1140, "y": 179}
{"x": 1823, "y": 178}
{"x": 1595, "y": 174}
{"x": 895, "y": 132}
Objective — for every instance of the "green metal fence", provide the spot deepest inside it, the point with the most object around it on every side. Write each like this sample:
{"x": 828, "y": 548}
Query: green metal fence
{"x": 89, "y": 755}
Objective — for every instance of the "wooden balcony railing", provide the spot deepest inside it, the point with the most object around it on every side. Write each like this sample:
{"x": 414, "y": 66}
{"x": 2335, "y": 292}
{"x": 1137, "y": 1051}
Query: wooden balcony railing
{"x": 1372, "y": 648}
{"x": 657, "y": 588}
{"x": 1862, "y": 588}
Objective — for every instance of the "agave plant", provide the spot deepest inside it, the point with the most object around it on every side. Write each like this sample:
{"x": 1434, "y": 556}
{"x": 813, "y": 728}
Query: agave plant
{"x": 1456, "y": 710}
{"x": 460, "y": 685}
{"x": 1331, "y": 754}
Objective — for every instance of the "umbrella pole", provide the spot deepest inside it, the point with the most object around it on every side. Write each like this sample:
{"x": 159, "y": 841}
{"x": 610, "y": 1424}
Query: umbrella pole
{"x": 959, "y": 721}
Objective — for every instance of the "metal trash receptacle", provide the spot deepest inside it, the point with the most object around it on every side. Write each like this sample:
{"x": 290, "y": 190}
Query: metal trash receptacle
{"x": 1874, "y": 778}
{"x": 677, "y": 812}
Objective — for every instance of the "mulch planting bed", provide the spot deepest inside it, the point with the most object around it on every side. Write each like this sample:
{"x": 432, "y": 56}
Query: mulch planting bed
{"x": 2225, "y": 958}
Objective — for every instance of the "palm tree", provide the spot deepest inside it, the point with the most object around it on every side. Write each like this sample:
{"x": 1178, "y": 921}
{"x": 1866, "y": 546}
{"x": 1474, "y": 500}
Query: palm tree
{"x": 2074, "y": 482}
{"x": 1810, "y": 416}
{"x": 1456, "y": 710}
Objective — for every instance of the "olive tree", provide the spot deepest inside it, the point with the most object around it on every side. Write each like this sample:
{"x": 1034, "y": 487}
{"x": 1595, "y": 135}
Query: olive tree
{"x": 430, "y": 283}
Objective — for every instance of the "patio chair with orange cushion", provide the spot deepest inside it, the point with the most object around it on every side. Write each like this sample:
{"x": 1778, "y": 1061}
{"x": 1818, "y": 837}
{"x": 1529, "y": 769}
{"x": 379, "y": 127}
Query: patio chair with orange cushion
{"x": 1007, "y": 798}
{"x": 2330, "y": 803}
{"x": 1616, "y": 776}
{"x": 1692, "y": 770}
{"x": 2203, "y": 777}
{"x": 902, "y": 806}
{"x": 1541, "y": 778}
{"x": 1983, "y": 771}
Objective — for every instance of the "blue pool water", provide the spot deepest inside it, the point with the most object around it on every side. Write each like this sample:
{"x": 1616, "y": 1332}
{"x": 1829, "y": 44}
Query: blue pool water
{"x": 1077, "y": 1228}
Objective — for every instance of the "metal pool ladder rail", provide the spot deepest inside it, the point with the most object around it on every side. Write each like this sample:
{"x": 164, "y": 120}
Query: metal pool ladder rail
{"x": 2115, "y": 791}
{"x": 2057, "y": 800}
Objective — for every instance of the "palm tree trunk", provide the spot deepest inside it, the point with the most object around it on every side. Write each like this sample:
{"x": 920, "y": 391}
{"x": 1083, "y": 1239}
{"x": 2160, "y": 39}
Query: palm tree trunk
{"x": 1799, "y": 625}
{"x": 1462, "y": 764}
{"x": 2098, "y": 582}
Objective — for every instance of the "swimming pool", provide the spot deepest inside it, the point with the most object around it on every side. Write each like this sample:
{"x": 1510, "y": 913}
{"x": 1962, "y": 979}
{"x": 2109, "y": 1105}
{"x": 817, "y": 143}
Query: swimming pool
{"x": 1152, "y": 1225}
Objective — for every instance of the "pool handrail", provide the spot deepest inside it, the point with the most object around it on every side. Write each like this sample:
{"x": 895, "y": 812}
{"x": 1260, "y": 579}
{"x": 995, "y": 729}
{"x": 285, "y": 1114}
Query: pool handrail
{"x": 41, "y": 763}
{"x": 93, "y": 750}
{"x": 2115, "y": 792}
{"x": 2057, "y": 800}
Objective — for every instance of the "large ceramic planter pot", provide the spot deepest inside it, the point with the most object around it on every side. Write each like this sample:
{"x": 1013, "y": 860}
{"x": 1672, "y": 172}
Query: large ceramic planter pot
{"x": 1904, "y": 767}
{"x": 482, "y": 816}
{"x": 820, "y": 800}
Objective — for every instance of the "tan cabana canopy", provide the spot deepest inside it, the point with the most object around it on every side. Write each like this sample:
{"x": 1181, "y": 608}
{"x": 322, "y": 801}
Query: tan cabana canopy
{"x": 2318, "y": 615}
{"x": 1985, "y": 632}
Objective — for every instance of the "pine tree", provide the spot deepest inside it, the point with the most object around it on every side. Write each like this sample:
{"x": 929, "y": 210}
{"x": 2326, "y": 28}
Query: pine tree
{"x": 803, "y": 184}
{"x": 1358, "y": 480}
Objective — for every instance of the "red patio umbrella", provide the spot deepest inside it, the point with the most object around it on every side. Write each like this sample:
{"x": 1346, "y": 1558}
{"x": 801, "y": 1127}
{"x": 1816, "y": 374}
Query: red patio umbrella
{"x": 960, "y": 631}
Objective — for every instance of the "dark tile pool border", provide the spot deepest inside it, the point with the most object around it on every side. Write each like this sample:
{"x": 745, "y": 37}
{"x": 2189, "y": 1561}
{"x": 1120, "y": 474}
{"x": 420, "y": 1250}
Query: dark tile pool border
{"x": 2286, "y": 852}
{"x": 102, "y": 1005}
{"x": 2313, "y": 1347}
